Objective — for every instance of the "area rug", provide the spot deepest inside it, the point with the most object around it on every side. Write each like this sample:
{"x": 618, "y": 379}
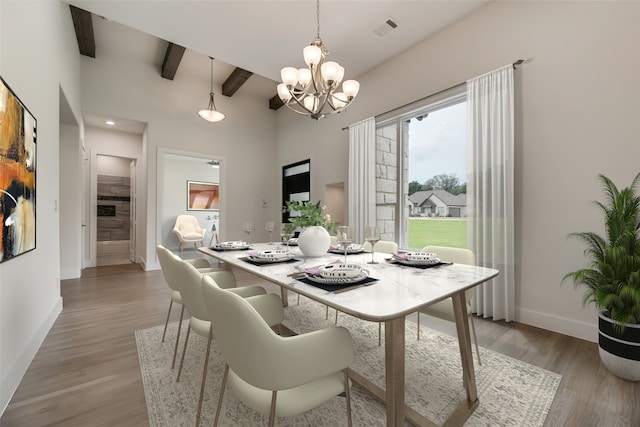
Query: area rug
{"x": 511, "y": 392}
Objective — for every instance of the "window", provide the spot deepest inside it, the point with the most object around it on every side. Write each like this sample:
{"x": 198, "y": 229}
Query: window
{"x": 296, "y": 184}
{"x": 421, "y": 175}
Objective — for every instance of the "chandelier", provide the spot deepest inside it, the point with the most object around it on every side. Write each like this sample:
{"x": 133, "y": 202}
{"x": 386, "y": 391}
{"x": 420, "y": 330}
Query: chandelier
{"x": 313, "y": 91}
{"x": 211, "y": 114}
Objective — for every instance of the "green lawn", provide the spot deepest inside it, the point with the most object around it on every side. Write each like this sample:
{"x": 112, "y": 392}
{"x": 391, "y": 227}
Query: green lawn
{"x": 439, "y": 232}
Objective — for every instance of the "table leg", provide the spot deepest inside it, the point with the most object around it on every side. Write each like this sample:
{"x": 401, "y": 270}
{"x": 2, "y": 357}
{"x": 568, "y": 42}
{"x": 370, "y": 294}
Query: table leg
{"x": 284, "y": 294}
{"x": 464, "y": 340}
{"x": 394, "y": 365}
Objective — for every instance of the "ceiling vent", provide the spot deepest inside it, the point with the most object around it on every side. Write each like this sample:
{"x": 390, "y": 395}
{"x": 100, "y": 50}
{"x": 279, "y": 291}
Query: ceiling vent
{"x": 389, "y": 24}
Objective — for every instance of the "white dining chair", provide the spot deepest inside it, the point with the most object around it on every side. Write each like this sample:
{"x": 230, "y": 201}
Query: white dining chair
{"x": 191, "y": 292}
{"x": 444, "y": 309}
{"x": 275, "y": 375}
{"x": 165, "y": 258}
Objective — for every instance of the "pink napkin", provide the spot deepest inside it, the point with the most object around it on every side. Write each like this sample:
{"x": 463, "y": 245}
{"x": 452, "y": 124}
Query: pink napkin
{"x": 399, "y": 256}
{"x": 253, "y": 254}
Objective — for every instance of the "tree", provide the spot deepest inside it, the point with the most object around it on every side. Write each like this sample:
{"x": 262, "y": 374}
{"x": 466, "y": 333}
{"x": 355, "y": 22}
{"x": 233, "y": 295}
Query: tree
{"x": 414, "y": 186}
{"x": 448, "y": 182}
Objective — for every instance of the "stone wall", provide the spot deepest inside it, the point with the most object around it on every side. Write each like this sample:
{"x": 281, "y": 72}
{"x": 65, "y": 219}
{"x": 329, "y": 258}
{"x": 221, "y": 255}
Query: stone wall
{"x": 387, "y": 180}
{"x": 113, "y": 207}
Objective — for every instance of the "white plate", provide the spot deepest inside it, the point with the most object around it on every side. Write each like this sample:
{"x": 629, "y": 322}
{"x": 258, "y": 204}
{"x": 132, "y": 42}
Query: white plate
{"x": 231, "y": 246}
{"x": 338, "y": 281}
{"x": 431, "y": 261}
{"x": 340, "y": 271}
{"x": 351, "y": 249}
{"x": 290, "y": 256}
{"x": 292, "y": 241}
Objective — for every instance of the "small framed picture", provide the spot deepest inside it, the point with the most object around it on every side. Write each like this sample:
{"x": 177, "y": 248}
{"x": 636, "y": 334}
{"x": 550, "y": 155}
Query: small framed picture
{"x": 203, "y": 196}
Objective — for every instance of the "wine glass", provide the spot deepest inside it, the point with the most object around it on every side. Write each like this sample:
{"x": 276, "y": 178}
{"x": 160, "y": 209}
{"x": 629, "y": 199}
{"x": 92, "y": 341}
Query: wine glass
{"x": 345, "y": 238}
{"x": 248, "y": 228}
{"x": 269, "y": 228}
{"x": 286, "y": 231}
{"x": 372, "y": 236}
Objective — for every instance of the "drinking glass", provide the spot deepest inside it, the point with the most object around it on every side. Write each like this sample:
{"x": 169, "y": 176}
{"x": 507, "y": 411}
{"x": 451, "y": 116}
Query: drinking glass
{"x": 345, "y": 238}
{"x": 286, "y": 231}
{"x": 269, "y": 228}
{"x": 248, "y": 228}
{"x": 372, "y": 235}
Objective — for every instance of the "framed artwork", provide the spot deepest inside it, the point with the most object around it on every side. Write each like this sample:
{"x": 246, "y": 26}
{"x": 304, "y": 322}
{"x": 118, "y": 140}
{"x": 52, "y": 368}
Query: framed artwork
{"x": 203, "y": 196}
{"x": 17, "y": 175}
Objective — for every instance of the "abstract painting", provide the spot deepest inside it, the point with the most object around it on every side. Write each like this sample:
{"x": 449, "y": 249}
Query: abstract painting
{"x": 202, "y": 196}
{"x": 17, "y": 175}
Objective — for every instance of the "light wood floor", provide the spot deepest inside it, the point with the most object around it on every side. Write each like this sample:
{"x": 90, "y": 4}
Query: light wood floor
{"x": 87, "y": 374}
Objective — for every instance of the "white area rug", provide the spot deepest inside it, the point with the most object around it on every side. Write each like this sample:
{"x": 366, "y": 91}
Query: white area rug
{"x": 511, "y": 392}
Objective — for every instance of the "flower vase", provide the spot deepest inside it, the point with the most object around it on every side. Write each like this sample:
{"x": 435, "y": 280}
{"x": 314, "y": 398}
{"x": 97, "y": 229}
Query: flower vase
{"x": 314, "y": 241}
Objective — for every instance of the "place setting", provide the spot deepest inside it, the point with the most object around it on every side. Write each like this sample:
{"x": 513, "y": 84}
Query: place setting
{"x": 417, "y": 259}
{"x": 336, "y": 276}
{"x": 269, "y": 257}
{"x": 234, "y": 245}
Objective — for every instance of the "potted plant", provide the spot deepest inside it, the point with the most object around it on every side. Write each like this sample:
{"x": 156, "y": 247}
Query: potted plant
{"x": 612, "y": 278}
{"x": 314, "y": 240}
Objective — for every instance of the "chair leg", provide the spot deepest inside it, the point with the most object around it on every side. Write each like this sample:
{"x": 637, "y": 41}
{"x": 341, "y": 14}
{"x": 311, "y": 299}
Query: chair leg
{"x": 184, "y": 350}
{"x": 336, "y": 321}
{"x": 418, "y": 325}
{"x": 326, "y": 313}
{"x": 224, "y": 384}
{"x": 298, "y": 299}
{"x": 181, "y": 247}
{"x": 166, "y": 323}
{"x": 204, "y": 376}
{"x": 272, "y": 412}
{"x": 379, "y": 334}
{"x": 175, "y": 349}
{"x": 475, "y": 338}
{"x": 347, "y": 392}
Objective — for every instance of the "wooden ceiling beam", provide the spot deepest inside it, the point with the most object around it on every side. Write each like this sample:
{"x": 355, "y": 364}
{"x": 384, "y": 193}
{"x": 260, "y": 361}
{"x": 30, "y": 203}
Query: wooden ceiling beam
{"x": 275, "y": 102}
{"x": 235, "y": 80}
{"x": 172, "y": 58}
{"x": 83, "y": 25}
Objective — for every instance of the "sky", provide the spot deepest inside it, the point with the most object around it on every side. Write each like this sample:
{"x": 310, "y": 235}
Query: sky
{"x": 437, "y": 144}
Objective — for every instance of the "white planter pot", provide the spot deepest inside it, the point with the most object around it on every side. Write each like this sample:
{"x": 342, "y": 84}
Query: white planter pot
{"x": 620, "y": 354}
{"x": 314, "y": 241}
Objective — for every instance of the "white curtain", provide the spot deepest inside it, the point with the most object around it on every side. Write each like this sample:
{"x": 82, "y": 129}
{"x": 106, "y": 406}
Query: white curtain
{"x": 361, "y": 189}
{"x": 490, "y": 193}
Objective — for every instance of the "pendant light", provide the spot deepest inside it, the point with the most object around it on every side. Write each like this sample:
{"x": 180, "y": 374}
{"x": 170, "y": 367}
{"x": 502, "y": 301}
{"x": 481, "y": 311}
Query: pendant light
{"x": 211, "y": 114}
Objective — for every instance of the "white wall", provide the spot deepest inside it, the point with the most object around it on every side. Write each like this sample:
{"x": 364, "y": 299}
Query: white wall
{"x": 177, "y": 171}
{"x": 131, "y": 89}
{"x": 37, "y": 61}
{"x": 115, "y": 166}
{"x": 70, "y": 202}
{"x": 105, "y": 142}
{"x": 576, "y": 117}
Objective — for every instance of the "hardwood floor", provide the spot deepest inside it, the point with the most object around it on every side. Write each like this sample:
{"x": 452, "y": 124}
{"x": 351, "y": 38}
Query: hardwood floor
{"x": 87, "y": 374}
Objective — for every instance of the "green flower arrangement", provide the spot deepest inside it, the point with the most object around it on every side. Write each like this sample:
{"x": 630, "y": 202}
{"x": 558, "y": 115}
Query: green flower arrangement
{"x": 307, "y": 214}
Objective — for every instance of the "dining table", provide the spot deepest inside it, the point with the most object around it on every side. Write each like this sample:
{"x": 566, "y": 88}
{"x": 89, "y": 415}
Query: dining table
{"x": 395, "y": 291}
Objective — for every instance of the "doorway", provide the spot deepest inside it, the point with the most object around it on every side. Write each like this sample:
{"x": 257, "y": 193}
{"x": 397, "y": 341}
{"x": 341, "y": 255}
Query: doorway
{"x": 115, "y": 200}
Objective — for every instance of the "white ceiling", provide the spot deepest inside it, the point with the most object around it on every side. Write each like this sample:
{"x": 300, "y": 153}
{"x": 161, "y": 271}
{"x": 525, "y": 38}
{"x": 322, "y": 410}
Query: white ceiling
{"x": 262, "y": 36}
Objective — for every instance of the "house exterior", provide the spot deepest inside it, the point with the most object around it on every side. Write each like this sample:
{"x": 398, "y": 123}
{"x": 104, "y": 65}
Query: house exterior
{"x": 438, "y": 203}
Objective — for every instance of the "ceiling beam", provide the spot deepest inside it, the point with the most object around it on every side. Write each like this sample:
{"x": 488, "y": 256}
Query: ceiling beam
{"x": 235, "y": 80}
{"x": 83, "y": 25}
{"x": 172, "y": 58}
{"x": 275, "y": 102}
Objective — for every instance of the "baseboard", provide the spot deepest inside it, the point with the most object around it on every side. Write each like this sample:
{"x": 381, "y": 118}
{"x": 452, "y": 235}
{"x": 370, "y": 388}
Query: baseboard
{"x": 15, "y": 373}
{"x": 562, "y": 325}
{"x": 149, "y": 266}
{"x": 72, "y": 273}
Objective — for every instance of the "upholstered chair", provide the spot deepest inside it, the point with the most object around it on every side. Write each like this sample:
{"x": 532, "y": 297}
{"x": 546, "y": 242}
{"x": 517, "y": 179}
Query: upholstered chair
{"x": 274, "y": 375}
{"x": 444, "y": 309}
{"x": 188, "y": 230}
{"x": 191, "y": 292}
{"x": 165, "y": 257}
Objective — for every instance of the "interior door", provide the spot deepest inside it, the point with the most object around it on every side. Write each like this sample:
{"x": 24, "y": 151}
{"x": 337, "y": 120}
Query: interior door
{"x": 132, "y": 211}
